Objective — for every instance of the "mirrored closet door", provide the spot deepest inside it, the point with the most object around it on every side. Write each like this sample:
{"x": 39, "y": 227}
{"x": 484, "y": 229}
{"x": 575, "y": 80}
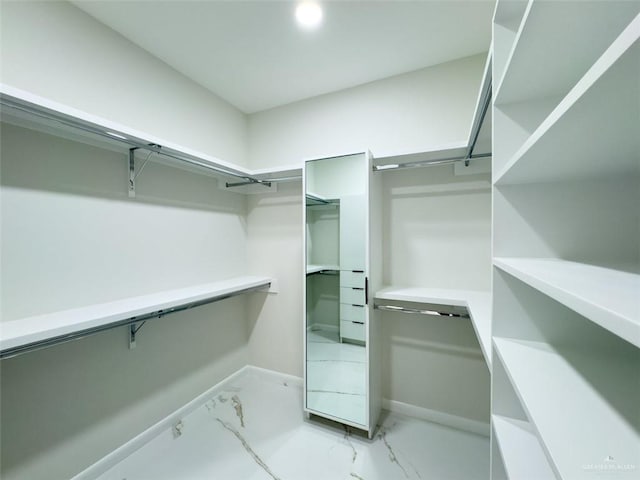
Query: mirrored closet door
{"x": 338, "y": 311}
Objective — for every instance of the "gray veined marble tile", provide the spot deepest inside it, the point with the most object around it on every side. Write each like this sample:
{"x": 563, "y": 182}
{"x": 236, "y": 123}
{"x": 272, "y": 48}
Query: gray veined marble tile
{"x": 278, "y": 442}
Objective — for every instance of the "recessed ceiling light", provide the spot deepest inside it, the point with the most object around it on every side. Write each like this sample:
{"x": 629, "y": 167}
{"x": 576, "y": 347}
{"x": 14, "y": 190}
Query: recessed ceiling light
{"x": 309, "y": 14}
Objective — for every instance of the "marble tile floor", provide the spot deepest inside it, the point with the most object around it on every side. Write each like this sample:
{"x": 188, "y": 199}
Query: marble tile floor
{"x": 253, "y": 428}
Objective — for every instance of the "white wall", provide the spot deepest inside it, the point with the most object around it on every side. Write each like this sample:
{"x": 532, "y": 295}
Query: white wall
{"x": 71, "y": 236}
{"x": 275, "y": 248}
{"x": 55, "y": 50}
{"x": 407, "y": 113}
{"x": 437, "y": 228}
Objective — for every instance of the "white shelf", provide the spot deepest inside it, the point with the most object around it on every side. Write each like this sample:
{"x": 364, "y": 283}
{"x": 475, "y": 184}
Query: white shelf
{"x": 580, "y": 131}
{"x": 584, "y": 405}
{"x": 320, "y": 268}
{"x": 576, "y": 32}
{"x": 117, "y": 135}
{"x": 579, "y": 138}
{"x": 608, "y": 297}
{"x": 478, "y": 303}
{"x": 507, "y": 19}
{"x": 522, "y": 453}
{"x": 26, "y": 331}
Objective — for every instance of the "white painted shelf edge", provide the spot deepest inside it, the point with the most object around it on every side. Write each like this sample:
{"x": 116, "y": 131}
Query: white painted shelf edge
{"x": 128, "y": 131}
{"x": 608, "y": 297}
{"x": 557, "y": 393}
{"x": 25, "y": 331}
{"x": 522, "y": 453}
{"x": 624, "y": 41}
{"x": 514, "y": 48}
{"x": 319, "y": 268}
{"x": 477, "y": 302}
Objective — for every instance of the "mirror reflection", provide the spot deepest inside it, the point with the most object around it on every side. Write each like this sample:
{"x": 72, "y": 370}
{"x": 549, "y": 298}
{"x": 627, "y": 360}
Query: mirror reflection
{"x": 336, "y": 313}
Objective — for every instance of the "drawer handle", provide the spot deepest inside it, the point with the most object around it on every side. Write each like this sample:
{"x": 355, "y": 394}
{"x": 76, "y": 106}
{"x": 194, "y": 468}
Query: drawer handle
{"x": 358, "y": 323}
{"x": 354, "y": 305}
{"x": 357, "y": 271}
{"x": 357, "y": 288}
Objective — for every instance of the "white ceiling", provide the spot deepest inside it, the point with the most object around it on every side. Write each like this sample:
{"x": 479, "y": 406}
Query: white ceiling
{"x": 252, "y": 53}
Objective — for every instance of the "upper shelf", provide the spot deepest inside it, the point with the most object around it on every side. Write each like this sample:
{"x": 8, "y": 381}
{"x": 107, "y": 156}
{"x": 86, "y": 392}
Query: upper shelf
{"x": 610, "y": 298}
{"x": 478, "y": 304}
{"x": 28, "y": 110}
{"x": 580, "y": 130}
{"x": 42, "y": 330}
{"x": 576, "y": 32}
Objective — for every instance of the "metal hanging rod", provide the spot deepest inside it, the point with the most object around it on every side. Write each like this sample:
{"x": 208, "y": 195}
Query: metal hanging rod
{"x": 75, "y": 123}
{"x": 429, "y": 163}
{"x": 477, "y": 125}
{"x": 434, "y": 313}
{"x": 132, "y": 321}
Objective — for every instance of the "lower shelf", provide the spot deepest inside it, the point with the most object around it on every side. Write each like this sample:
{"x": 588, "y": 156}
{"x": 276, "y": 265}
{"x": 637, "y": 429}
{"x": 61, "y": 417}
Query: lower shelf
{"x": 522, "y": 455}
{"x": 26, "y": 334}
{"x": 584, "y": 405}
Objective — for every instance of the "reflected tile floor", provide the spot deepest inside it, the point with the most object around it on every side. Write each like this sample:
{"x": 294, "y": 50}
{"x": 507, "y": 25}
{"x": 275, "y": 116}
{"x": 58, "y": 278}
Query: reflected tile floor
{"x": 253, "y": 428}
{"x": 336, "y": 376}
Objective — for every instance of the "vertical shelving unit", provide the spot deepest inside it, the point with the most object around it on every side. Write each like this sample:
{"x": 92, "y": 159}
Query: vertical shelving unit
{"x": 566, "y": 243}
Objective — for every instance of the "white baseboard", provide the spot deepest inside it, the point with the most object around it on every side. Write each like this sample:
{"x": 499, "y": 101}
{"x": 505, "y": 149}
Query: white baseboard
{"x": 446, "y": 419}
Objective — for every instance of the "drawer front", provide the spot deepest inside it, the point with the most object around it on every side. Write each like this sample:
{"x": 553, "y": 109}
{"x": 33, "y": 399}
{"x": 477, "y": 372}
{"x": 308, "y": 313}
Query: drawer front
{"x": 352, "y": 331}
{"x": 353, "y": 313}
{"x": 349, "y": 278}
{"x": 352, "y": 295}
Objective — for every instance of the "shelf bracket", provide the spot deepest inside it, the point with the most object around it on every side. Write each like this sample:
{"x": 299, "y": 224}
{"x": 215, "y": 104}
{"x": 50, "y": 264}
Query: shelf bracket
{"x": 132, "y": 172}
{"x": 134, "y": 328}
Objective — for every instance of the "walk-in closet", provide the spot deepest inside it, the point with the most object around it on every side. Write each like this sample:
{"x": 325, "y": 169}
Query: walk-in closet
{"x": 320, "y": 240}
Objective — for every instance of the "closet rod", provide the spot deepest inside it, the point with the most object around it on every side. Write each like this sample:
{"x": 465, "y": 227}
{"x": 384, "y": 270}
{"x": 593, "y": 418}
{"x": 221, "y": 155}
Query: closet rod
{"x": 434, "y": 313}
{"x": 88, "y": 127}
{"x": 477, "y": 124}
{"x": 429, "y": 163}
{"x": 49, "y": 342}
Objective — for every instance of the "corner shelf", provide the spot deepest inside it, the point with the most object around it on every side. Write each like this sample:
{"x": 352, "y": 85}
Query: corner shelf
{"x": 580, "y": 131}
{"x": 581, "y": 429}
{"x": 19, "y": 336}
{"x": 608, "y": 297}
{"x": 478, "y": 304}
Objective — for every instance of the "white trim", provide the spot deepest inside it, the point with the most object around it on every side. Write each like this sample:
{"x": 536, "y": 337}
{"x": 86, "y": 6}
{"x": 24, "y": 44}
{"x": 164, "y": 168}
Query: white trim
{"x": 446, "y": 419}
